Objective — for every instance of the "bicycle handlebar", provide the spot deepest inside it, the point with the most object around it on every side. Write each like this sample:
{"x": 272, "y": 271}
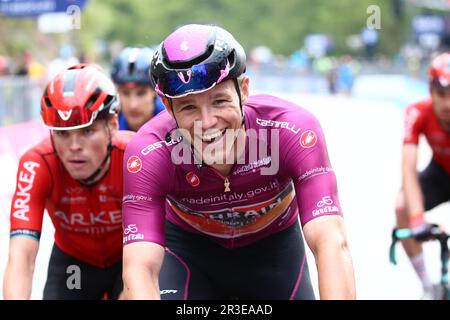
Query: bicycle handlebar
{"x": 401, "y": 234}
{"x": 435, "y": 233}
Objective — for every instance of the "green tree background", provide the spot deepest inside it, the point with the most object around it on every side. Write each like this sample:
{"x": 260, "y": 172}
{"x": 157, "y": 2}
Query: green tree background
{"x": 280, "y": 25}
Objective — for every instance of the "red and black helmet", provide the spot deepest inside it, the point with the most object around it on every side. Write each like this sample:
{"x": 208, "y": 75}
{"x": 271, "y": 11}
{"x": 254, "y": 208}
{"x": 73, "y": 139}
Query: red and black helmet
{"x": 77, "y": 96}
{"x": 439, "y": 71}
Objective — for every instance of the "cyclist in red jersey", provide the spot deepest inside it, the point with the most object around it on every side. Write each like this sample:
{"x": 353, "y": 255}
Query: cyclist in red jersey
{"x": 431, "y": 187}
{"x": 76, "y": 175}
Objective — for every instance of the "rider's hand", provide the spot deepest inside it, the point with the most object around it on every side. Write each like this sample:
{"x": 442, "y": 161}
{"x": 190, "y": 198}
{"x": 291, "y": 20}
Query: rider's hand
{"x": 421, "y": 230}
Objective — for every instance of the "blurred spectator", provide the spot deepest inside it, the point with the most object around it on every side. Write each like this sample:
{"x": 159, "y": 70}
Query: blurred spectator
{"x": 318, "y": 44}
{"x": 345, "y": 75}
{"x": 85, "y": 57}
{"x": 36, "y": 71}
{"x": 4, "y": 66}
{"x": 326, "y": 66}
{"x": 65, "y": 59}
{"x": 299, "y": 60}
{"x": 370, "y": 40}
{"x": 413, "y": 56}
{"x": 260, "y": 57}
{"x": 331, "y": 76}
{"x": 23, "y": 63}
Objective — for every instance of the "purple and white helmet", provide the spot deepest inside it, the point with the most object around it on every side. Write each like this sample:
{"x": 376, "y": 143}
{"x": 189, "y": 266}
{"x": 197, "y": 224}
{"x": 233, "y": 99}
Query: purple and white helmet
{"x": 194, "y": 58}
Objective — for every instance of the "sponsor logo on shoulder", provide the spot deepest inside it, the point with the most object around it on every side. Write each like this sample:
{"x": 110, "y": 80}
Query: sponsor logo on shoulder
{"x": 159, "y": 144}
{"x": 308, "y": 139}
{"x": 134, "y": 164}
{"x": 278, "y": 124}
{"x": 21, "y": 205}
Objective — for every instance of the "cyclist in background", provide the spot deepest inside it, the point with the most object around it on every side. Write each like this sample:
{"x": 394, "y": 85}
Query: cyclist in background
{"x": 76, "y": 175}
{"x": 138, "y": 101}
{"x": 431, "y": 187}
{"x": 226, "y": 222}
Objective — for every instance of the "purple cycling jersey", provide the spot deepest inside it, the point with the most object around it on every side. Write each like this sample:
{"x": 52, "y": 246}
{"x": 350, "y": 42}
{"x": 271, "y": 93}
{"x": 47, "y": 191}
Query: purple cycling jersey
{"x": 290, "y": 176}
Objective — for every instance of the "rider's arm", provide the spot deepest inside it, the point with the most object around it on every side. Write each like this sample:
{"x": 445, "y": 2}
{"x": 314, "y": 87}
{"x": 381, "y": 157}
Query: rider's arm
{"x": 414, "y": 122}
{"x": 27, "y": 208}
{"x": 305, "y": 158}
{"x": 141, "y": 265}
{"x": 18, "y": 276}
{"x": 324, "y": 231}
{"x": 327, "y": 240}
{"x": 411, "y": 185}
{"x": 143, "y": 214}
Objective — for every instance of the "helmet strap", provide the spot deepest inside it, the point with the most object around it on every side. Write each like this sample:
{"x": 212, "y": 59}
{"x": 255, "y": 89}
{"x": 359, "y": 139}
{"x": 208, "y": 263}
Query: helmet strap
{"x": 238, "y": 90}
{"x": 173, "y": 113}
{"x": 93, "y": 178}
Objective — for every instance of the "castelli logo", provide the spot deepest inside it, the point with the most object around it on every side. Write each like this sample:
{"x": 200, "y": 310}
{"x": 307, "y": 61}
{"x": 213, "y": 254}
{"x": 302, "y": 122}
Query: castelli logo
{"x": 134, "y": 164}
{"x": 192, "y": 179}
{"x": 308, "y": 139}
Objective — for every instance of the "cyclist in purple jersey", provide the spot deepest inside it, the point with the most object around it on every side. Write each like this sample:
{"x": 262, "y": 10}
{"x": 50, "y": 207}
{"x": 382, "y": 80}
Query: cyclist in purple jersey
{"x": 215, "y": 189}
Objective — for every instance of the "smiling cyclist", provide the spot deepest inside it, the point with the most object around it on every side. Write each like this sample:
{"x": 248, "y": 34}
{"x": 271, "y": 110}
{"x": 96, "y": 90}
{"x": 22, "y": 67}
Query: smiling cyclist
{"x": 214, "y": 190}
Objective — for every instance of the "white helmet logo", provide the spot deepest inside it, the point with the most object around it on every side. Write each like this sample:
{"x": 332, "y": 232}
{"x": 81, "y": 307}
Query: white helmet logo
{"x": 184, "y": 46}
{"x": 65, "y": 115}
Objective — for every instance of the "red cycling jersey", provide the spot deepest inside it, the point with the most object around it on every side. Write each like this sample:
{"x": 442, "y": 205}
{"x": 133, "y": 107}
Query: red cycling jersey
{"x": 87, "y": 219}
{"x": 420, "y": 118}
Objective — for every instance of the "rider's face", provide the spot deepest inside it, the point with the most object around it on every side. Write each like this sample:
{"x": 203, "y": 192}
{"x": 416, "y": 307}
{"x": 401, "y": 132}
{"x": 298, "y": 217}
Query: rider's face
{"x": 137, "y": 104}
{"x": 441, "y": 104}
{"x": 82, "y": 151}
{"x": 212, "y": 119}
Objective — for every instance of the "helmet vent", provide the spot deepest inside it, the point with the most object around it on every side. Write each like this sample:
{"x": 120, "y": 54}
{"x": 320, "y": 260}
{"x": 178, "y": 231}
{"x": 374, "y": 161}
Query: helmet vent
{"x": 232, "y": 58}
{"x": 93, "y": 99}
{"x": 131, "y": 67}
{"x": 189, "y": 63}
{"x": 48, "y": 103}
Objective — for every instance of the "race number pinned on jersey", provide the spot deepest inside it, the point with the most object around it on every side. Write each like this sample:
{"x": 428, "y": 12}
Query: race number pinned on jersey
{"x": 192, "y": 179}
{"x": 308, "y": 139}
{"x": 134, "y": 164}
